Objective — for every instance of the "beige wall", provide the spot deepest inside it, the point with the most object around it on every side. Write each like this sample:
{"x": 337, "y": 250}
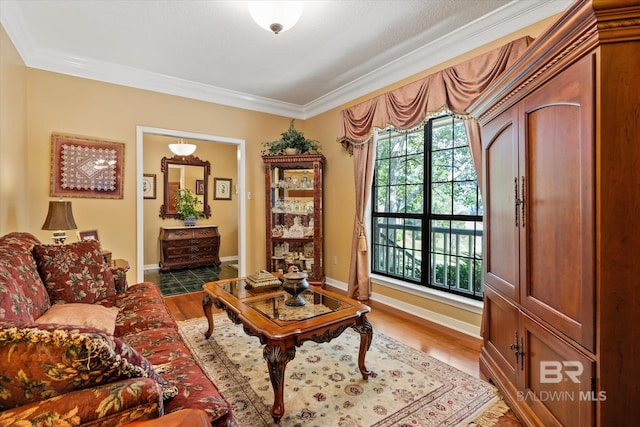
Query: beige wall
{"x": 112, "y": 112}
{"x": 61, "y": 103}
{"x": 14, "y": 200}
{"x": 224, "y": 213}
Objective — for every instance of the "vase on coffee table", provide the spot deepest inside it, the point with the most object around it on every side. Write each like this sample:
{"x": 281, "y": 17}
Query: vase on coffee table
{"x": 295, "y": 282}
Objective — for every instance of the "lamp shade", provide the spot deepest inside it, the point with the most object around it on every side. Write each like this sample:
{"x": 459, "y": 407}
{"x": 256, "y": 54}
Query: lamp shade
{"x": 59, "y": 217}
{"x": 182, "y": 149}
{"x": 276, "y": 16}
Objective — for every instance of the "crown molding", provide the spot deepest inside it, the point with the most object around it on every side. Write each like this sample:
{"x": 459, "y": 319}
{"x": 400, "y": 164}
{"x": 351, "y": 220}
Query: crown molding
{"x": 504, "y": 21}
{"x": 139, "y": 79}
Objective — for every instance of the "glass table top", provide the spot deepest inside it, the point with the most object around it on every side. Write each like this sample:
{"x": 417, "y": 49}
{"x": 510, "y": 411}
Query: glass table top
{"x": 273, "y": 306}
{"x": 241, "y": 289}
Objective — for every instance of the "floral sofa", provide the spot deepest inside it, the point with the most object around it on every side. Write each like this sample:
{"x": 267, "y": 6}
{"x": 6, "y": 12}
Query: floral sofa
{"x": 79, "y": 347}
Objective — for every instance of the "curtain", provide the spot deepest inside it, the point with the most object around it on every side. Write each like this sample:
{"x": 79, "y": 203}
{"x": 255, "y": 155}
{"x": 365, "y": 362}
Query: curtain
{"x": 359, "y": 269}
{"x": 453, "y": 89}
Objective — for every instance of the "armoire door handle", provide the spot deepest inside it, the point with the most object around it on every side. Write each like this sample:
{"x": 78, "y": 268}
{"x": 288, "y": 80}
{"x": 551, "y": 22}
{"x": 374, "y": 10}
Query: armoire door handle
{"x": 515, "y": 197}
{"x": 522, "y": 200}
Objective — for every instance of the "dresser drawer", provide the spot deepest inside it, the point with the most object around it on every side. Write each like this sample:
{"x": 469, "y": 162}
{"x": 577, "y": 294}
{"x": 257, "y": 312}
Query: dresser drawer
{"x": 187, "y": 243}
{"x": 177, "y": 234}
{"x": 205, "y": 232}
{"x": 188, "y": 233}
{"x": 176, "y": 251}
{"x": 191, "y": 258}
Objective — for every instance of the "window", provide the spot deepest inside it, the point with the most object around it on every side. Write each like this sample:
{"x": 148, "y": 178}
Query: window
{"x": 426, "y": 209}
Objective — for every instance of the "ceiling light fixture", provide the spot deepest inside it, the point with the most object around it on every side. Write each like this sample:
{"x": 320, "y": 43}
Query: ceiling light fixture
{"x": 276, "y": 16}
{"x": 182, "y": 149}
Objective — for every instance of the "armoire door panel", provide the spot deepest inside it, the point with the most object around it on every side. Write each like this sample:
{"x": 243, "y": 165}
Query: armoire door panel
{"x": 559, "y": 281}
{"x": 500, "y": 333}
{"x": 500, "y": 171}
{"x": 557, "y": 379}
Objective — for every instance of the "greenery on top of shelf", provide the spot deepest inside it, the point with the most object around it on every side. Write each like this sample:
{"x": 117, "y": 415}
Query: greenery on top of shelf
{"x": 291, "y": 138}
{"x": 187, "y": 203}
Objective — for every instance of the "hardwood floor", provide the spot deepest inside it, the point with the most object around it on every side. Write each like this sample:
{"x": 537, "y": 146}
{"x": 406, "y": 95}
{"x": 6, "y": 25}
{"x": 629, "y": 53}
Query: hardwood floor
{"x": 453, "y": 348}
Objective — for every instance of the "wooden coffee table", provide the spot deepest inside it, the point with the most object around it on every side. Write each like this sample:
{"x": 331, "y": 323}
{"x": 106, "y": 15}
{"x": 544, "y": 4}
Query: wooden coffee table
{"x": 281, "y": 328}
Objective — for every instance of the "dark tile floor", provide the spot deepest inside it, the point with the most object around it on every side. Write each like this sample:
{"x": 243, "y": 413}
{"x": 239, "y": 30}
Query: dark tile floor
{"x": 176, "y": 282}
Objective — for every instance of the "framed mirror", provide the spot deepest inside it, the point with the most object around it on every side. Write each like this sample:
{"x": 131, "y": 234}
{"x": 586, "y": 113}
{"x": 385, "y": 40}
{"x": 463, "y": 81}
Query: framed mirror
{"x": 184, "y": 172}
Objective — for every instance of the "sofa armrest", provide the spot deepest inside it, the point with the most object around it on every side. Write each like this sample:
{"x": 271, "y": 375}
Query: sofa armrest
{"x": 41, "y": 361}
{"x": 110, "y": 404}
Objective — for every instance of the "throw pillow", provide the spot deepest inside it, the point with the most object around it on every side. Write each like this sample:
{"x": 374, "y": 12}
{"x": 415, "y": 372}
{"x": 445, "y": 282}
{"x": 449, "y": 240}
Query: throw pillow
{"x": 21, "y": 270}
{"x": 43, "y": 361}
{"x": 89, "y": 315}
{"x": 75, "y": 272}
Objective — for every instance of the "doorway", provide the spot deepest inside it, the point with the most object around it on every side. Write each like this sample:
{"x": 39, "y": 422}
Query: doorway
{"x": 239, "y": 187}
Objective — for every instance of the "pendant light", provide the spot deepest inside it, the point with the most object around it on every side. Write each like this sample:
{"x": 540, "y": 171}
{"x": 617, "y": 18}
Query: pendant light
{"x": 182, "y": 149}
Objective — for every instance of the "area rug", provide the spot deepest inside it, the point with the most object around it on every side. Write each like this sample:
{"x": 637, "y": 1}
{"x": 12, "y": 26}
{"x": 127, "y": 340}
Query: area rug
{"x": 323, "y": 386}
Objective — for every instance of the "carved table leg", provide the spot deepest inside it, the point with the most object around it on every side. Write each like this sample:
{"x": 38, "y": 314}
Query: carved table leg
{"x": 207, "y": 303}
{"x": 363, "y": 327}
{"x": 277, "y": 356}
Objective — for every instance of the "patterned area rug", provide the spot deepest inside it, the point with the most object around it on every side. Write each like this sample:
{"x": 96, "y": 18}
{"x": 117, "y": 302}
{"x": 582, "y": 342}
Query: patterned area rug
{"x": 323, "y": 386}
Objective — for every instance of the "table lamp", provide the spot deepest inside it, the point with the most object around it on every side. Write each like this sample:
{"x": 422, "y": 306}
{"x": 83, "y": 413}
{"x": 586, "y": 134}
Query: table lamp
{"x": 59, "y": 219}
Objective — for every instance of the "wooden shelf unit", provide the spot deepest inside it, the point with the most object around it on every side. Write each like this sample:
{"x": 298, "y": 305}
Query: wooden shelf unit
{"x": 293, "y": 197}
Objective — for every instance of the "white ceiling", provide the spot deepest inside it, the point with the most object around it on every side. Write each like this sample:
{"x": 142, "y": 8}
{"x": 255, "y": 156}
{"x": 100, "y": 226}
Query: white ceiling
{"x": 213, "y": 51}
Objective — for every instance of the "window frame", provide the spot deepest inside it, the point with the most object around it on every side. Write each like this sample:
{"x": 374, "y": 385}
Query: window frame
{"x": 468, "y": 299}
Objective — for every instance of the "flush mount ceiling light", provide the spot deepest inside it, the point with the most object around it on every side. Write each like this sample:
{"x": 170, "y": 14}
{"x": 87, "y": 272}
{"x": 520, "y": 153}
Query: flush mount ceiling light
{"x": 182, "y": 149}
{"x": 276, "y": 16}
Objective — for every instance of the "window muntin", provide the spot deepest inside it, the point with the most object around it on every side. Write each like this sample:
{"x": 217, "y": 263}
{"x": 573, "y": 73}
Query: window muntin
{"x": 431, "y": 238}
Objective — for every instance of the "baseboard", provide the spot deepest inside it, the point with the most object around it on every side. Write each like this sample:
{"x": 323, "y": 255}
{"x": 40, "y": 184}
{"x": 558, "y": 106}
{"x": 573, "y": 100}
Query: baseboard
{"x": 415, "y": 313}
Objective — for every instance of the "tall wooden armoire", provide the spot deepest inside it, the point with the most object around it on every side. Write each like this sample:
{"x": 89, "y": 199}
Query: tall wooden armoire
{"x": 561, "y": 182}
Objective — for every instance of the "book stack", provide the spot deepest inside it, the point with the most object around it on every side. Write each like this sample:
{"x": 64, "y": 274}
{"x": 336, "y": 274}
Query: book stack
{"x": 262, "y": 279}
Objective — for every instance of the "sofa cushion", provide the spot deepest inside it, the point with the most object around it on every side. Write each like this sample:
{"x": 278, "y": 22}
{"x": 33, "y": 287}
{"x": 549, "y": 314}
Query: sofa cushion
{"x": 80, "y": 314}
{"x": 75, "y": 272}
{"x": 62, "y": 359}
{"x": 168, "y": 352}
{"x": 23, "y": 296}
{"x": 141, "y": 307}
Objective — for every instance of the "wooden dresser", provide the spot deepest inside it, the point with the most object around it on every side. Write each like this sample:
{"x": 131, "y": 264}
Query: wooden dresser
{"x": 185, "y": 247}
{"x": 561, "y": 174}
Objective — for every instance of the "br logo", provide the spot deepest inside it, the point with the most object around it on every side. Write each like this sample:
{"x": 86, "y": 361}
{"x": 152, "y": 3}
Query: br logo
{"x": 553, "y": 372}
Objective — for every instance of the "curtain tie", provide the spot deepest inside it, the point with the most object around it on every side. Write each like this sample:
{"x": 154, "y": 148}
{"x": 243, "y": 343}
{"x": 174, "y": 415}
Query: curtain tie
{"x": 362, "y": 239}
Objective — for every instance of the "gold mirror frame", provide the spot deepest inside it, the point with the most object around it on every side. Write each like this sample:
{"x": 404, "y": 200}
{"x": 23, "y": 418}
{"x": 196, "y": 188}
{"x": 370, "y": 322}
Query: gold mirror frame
{"x": 168, "y": 186}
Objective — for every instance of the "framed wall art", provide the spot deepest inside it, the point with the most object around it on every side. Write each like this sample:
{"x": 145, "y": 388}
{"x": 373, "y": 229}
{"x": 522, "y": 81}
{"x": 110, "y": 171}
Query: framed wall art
{"x": 221, "y": 189}
{"x": 86, "y": 167}
{"x": 149, "y": 186}
{"x": 200, "y": 187}
{"x": 88, "y": 235}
